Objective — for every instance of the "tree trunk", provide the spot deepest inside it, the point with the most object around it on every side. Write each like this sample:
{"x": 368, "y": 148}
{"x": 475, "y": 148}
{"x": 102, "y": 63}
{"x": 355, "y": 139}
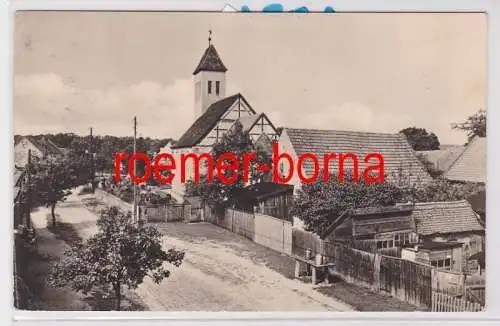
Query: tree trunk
{"x": 52, "y": 210}
{"x": 118, "y": 293}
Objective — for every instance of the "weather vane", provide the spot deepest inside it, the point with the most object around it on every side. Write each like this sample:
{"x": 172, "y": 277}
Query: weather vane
{"x": 209, "y": 36}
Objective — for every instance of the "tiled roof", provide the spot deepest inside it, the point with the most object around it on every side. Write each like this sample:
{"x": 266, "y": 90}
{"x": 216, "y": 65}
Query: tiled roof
{"x": 478, "y": 202}
{"x": 210, "y": 61}
{"x": 44, "y": 145}
{"x": 370, "y": 211}
{"x": 470, "y": 166}
{"x": 202, "y": 126}
{"x": 443, "y": 158}
{"x": 400, "y": 162}
{"x": 445, "y": 217}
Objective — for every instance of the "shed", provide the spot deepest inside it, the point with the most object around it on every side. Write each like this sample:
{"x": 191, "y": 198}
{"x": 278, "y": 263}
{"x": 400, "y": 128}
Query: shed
{"x": 267, "y": 198}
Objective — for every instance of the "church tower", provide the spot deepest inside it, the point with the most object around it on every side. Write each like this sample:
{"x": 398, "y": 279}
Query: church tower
{"x": 209, "y": 79}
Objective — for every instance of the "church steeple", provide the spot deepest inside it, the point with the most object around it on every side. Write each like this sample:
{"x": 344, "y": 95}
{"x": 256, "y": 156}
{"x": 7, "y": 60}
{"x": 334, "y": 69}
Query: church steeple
{"x": 210, "y": 61}
{"x": 210, "y": 79}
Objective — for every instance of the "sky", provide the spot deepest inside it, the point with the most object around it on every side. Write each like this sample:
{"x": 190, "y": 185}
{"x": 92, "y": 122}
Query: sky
{"x": 357, "y": 71}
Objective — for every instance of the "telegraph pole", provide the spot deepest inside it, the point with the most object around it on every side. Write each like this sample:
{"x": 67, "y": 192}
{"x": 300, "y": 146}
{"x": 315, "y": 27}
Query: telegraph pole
{"x": 92, "y": 172}
{"x": 28, "y": 192}
{"x": 135, "y": 173}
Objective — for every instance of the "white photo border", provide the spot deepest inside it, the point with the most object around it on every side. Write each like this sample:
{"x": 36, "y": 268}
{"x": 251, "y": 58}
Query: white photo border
{"x": 492, "y": 314}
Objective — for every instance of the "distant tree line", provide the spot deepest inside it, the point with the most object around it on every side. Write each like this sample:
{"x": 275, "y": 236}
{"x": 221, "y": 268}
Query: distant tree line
{"x": 105, "y": 147}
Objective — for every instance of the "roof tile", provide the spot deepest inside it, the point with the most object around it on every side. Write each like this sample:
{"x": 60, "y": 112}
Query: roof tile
{"x": 202, "y": 126}
{"x": 470, "y": 166}
{"x": 445, "y": 217}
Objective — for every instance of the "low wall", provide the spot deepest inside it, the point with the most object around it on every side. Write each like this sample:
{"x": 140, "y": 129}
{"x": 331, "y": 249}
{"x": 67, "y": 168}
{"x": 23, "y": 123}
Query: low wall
{"x": 273, "y": 233}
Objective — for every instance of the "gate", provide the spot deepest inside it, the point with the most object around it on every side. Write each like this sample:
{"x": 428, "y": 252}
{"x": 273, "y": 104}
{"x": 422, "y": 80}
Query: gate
{"x": 154, "y": 213}
{"x": 175, "y": 212}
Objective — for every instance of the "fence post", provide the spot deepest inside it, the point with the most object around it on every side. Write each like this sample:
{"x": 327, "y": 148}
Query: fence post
{"x": 282, "y": 236}
{"x": 376, "y": 272}
{"x": 232, "y": 220}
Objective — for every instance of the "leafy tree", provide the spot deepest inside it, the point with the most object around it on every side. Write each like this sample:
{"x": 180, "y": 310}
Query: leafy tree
{"x": 429, "y": 166}
{"x": 420, "y": 139}
{"x": 441, "y": 189}
{"x": 51, "y": 183}
{"x": 318, "y": 204}
{"x": 238, "y": 142}
{"x": 475, "y": 125}
{"x": 120, "y": 254}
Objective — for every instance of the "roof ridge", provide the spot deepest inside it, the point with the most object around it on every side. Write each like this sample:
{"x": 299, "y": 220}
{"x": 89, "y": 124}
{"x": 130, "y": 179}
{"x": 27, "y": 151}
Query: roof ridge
{"x": 347, "y": 131}
{"x": 442, "y": 202}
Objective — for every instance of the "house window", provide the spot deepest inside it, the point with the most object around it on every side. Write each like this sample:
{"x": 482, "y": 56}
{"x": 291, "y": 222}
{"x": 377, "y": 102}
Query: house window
{"x": 385, "y": 244}
{"x": 209, "y": 87}
{"x": 217, "y": 87}
{"x": 442, "y": 263}
{"x": 401, "y": 239}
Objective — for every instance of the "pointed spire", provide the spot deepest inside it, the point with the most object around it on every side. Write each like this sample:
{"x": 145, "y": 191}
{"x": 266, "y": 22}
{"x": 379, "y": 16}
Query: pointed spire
{"x": 210, "y": 61}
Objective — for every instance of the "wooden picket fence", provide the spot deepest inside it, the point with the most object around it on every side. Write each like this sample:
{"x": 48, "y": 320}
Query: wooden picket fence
{"x": 447, "y": 303}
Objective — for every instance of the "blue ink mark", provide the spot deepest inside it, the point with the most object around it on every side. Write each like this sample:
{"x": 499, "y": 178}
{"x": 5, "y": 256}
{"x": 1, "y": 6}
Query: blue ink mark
{"x": 275, "y": 7}
{"x": 301, "y": 10}
{"x": 278, "y": 7}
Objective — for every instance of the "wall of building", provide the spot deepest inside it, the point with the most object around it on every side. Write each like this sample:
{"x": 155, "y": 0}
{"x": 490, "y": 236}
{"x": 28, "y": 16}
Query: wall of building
{"x": 237, "y": 110}
{"x": 408, "y": 254}
{"x": 21, "y": 153}
{"x": 473, "y": 243}
{"x": 202, "y": 98}
{"x": 382, "y": 224}
{"x": 285, "y": 146}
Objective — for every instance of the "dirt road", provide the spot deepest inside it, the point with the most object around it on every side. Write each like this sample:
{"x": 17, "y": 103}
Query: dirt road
{"x": 220, "y": 271}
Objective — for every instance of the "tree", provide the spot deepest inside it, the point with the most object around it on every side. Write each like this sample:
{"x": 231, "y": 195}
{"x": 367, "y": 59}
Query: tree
{"x": 51, "y": 183}
{"x": 238, "y": 142}
{"x": 420, "y": 139}
{"x": 318, "y": 204}
{"x": 475, "y": 125}
{"x": 441, "y": 189}
{"x": 120, "y": 254}
{"x": 429, "y": 166}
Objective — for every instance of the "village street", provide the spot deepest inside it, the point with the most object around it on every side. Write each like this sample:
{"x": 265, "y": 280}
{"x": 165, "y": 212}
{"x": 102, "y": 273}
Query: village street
{"x": 221, "y": 270}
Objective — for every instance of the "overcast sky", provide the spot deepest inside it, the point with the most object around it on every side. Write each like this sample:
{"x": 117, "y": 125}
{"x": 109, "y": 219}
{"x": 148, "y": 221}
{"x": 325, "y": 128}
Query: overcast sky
{"x": 367, "y": 72}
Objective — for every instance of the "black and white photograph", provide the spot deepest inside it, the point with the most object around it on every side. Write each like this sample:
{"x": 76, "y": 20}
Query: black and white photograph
{"x": 203, "y": 161}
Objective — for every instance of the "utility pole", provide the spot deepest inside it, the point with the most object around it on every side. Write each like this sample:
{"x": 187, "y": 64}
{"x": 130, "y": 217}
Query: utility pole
{"x": 27, "y": 208}
{"x": 135, "y": 173}
{"x": 91, "y": 153}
